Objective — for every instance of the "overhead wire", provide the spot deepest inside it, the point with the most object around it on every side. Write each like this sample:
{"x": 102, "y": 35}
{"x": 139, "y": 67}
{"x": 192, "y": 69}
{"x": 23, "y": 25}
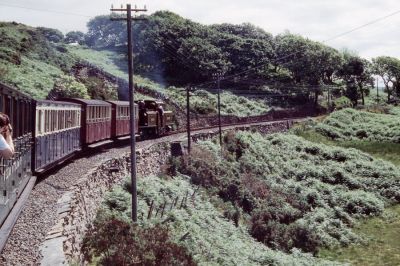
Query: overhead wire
{"x": 45, "y": 10}
{"x": 175, "y": 55}
{"x": 294, "y": 53}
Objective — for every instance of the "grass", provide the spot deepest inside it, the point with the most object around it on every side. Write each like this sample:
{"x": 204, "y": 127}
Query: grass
{"x": 383, "y": 247}
{"x": 383, "y": 150}
{"x": 34, "y": 77}
{"x": 28, "y": 61}
{"x": 110, "y": 61}
{"x": 349, "y": 125}
{"x": 382, "y": 234}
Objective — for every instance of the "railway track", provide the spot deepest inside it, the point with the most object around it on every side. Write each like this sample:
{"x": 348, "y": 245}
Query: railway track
{"x": 35, "y": 216}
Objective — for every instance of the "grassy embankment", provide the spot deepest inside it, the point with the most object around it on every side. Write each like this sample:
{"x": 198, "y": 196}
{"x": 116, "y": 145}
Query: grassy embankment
{"x": 28, "y": 61}
{"x": 377, "y": 135}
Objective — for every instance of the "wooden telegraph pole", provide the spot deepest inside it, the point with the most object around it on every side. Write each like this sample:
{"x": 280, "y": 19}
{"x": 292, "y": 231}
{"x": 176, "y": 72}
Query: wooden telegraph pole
{"x": 129, "y": 20}
{"x": 218, "y": 77}
{"x": 188, "y": 118}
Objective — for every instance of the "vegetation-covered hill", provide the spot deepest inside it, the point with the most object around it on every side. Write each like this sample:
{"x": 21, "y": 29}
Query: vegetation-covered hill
{"x": 350, "y": 124}
{"x": 177, "y": 51}
{"x": 198, "y": 228}
{"x": 29, "y": 61}
{"x": 203, "y": 102}
{"x": 38, "y": 62}
{"x": 286, "y": 192}
{"x": 381, "y": 233}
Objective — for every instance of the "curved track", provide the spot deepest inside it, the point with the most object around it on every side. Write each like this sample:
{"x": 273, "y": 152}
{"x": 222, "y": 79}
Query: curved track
{"x": 40, "y": 210}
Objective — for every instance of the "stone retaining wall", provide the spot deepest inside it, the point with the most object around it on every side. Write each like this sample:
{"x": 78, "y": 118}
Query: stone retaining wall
{"x": 78, "y": 207}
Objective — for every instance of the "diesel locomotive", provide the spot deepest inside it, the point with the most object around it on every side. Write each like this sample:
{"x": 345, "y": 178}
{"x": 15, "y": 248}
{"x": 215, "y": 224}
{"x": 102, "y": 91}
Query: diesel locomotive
{"x": 49, "y": 132}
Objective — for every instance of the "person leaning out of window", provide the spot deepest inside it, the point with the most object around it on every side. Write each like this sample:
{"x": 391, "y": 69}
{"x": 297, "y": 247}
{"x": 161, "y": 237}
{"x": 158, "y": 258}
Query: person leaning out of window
{"x": 6, "y": 142}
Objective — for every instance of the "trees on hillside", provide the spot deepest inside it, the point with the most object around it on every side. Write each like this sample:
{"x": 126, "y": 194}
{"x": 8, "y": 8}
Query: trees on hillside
{"x": 310, "y": 63}
{"x": 52, "y": 35}
{"x": 356, "y": 73}
{"x": 388, "y": 68}
{"x": 75, "y": 37}
{"x": 178, "y": 51}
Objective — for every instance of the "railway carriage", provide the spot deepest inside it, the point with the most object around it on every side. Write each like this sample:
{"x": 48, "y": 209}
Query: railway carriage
{"x": 47, "y": 133}
{"x": 57, "y": 133}
{"x": 15, "y": 173}
{"x": 95, "y": 120}
{"x": 120, "y": 118}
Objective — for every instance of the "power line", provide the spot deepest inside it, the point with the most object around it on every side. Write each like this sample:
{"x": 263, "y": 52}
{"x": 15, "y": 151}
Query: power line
{"x": 363, "y": 26}
{"x": 46, "y": 10}
{"x": 294, "y": 53}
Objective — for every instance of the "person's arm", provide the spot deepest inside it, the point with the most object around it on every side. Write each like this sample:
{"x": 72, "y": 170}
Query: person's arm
{"x": 10, "y": 141}
{"x": 6, "y": 145}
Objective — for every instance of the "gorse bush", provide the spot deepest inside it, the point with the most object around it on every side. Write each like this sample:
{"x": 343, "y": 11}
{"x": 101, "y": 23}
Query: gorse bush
{"x": 197, "y": 226}
{"x": 297, "y": 194}
{"x": 350, "y": 124}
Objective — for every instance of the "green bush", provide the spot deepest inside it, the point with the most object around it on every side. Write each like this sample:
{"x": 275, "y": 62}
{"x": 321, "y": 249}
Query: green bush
{"x": 350, "y": 124}
{"x": 197, "y": 225}
{"x": 68, "y": 87}
{"x": 288, "y": 187}
{"x": 342, "y": 102}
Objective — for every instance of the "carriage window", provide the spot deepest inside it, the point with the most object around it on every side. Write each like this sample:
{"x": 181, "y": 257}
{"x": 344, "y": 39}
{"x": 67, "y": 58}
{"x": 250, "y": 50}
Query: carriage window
{"x": 41, "y": 122}
{"x": 51, "y": 129}
{"x": 46, "y": 122}
{"x": 68, "y": 119}
{"x": 38, "y": 121}
{"x": 91, "y": 112}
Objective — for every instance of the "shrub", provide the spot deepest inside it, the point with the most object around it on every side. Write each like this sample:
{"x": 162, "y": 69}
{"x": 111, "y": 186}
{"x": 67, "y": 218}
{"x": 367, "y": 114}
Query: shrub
{"x": 119, "y": 243}
{"x": 282, "y": 182}
{"x": 68, "y": 87}
{"x": 198, "y": 225}
{"x": 349, "y": 124}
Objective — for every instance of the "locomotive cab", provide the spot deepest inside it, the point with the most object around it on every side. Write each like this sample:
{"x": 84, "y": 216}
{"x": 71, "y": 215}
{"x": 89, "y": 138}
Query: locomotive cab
{"x": 153, "y": 119}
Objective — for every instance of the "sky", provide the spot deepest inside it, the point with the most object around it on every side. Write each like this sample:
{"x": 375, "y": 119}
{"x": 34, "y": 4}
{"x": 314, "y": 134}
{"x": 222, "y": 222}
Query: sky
{"x": 318, "y": 20}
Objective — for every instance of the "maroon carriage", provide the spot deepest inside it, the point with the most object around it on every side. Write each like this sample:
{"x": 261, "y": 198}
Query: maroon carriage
{"x": 96, "y": 120}
{"x": 120, "y": 118}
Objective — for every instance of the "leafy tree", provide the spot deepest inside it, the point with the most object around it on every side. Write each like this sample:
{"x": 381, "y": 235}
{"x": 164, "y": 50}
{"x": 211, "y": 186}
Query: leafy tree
{"x": 102, "y": 32}
{"x": 357, "y": 75}
{"x": 52, "y": 35}
{"x": 68, "y": 87}
{"x": 309, "y": 62}
{"x": 388, "y": 68}
{"x": 75, "y": 37}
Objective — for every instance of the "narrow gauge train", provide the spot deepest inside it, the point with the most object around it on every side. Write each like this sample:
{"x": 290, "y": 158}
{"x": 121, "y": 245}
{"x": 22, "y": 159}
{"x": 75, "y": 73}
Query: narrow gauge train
{"x": 49, "y": 132}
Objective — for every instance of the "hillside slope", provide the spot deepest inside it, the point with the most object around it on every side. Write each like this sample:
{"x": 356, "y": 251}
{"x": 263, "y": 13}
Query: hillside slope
{"x": 113, "y": 61}
{"x": 29, "y": 61}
